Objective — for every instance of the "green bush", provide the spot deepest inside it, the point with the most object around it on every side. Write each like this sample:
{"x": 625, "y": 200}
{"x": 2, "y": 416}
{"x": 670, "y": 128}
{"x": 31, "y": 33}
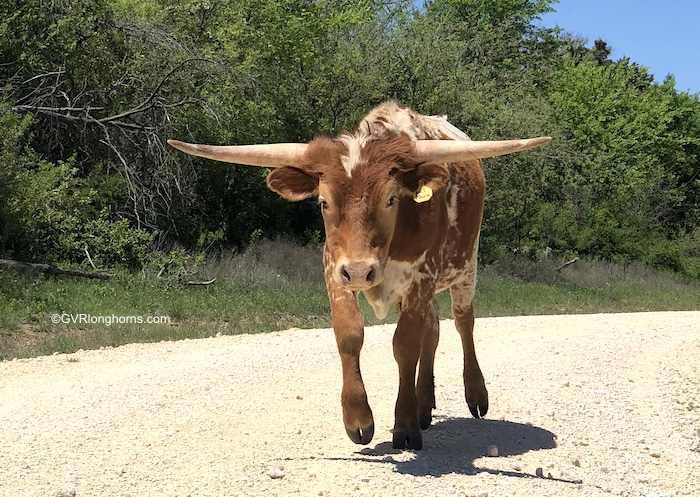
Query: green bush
{"x": 115, "y": 242}
{"x": 49, "y": 214}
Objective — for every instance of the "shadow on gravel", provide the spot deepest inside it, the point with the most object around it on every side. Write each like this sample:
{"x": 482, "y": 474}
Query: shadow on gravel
{"x": 451, "y": 445}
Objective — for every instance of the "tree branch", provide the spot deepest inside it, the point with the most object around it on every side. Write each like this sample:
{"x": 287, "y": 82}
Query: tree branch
{"x": 567, "y": 263}
{"x": 148, "y": 102}
{"x": 54, "y": 112}
{"x": 201, "y": 283}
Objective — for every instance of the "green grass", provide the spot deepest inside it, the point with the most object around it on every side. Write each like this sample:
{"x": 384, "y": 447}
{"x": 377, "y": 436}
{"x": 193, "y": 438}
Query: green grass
{"x": 27, "y": 306}
{"x": 512, "y": 297}
{"x": 280, "y": 286}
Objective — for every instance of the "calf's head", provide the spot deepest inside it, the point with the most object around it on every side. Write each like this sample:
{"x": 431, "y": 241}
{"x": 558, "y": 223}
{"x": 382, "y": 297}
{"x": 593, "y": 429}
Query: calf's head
{"x": 360, "y": 183}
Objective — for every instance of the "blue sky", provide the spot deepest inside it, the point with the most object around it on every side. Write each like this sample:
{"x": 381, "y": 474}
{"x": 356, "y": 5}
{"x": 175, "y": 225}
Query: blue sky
{"x": 661, "y": 35}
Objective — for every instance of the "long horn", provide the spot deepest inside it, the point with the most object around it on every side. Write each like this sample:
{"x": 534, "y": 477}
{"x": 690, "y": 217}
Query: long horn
{"x": 272, "y": 155}
{"x": 458, "y": 150}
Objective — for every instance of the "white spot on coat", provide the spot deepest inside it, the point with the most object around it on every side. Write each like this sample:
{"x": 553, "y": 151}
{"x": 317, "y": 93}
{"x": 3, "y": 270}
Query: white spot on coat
{"x": 398, "y": 278}
{"x": 353, "y": 157}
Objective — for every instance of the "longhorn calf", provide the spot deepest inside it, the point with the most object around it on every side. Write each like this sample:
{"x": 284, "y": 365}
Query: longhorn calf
{"x": 402, "y": 200}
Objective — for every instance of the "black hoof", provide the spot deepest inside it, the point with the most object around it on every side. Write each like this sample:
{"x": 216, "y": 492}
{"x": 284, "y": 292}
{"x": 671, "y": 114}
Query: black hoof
{"x": 413, "y": 441}
{"x": 479, "y": 410}
{"x": 478, "y": 401}
{"x": 361, "y": 437}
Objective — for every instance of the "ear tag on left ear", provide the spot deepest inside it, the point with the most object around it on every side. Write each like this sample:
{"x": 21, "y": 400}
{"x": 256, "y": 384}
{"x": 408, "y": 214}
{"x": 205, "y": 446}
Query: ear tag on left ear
{"x": 423, "y": 193}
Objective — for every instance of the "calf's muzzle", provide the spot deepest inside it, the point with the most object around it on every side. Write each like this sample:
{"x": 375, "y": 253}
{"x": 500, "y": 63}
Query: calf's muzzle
{"x": 360, "y": 275}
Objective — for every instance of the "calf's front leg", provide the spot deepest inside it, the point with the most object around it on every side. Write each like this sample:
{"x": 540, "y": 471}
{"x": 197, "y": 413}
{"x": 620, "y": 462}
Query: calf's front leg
{"x": 349, "y": 334}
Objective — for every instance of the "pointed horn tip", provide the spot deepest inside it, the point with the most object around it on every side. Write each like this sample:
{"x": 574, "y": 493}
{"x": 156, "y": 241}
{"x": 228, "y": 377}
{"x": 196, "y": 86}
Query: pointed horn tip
{"x": 536, "y": 142}
{"x": 530, "y": 143}
{"x": 179, "y": 145}
{"x": 188, "y": 148}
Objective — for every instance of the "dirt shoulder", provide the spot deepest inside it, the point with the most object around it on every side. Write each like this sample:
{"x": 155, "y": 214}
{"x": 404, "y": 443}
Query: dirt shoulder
{"x": 580, "y": 405}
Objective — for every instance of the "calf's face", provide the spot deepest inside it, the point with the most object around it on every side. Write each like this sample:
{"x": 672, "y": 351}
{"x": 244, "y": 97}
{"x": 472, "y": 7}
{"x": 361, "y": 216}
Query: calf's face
{"x": 360, "y": 185}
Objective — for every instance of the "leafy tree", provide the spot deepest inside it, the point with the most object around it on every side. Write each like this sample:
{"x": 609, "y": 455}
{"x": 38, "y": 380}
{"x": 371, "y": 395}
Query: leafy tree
{"x": 102, "y": 92}
{"x": 485, "y": 64}
{"x": 600, "y": 52}
{"x": 622, "y": 184}
{"x": 91, "y": 90}
{"x": 48, "y": 213}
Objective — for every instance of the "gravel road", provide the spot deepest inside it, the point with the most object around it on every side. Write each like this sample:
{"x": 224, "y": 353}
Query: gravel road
{"x": 580, "y": 405}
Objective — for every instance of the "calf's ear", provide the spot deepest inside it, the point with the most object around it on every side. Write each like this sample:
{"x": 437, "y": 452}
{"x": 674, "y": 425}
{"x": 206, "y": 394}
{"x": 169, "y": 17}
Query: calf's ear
{"x": 292, "y": 183}
{"x": 434, "y": 176}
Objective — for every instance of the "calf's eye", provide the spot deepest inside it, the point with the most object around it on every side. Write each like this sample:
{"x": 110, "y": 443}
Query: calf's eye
{"x": 391, "y": 201}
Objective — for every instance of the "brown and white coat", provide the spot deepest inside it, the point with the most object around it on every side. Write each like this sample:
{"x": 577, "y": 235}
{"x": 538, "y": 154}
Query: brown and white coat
{"x": 402, "y": 200}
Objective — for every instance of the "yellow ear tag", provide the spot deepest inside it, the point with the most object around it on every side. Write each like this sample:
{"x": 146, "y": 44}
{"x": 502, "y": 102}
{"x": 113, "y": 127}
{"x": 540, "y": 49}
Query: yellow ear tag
{"x": 423, "y": 193}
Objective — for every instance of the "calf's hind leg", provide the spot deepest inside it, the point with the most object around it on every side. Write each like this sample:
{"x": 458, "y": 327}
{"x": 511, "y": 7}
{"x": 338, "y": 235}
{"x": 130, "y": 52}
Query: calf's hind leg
{"x": 410, "y": 342}
{"x": 474, "y": 388}
{"x": 425, "y": 387}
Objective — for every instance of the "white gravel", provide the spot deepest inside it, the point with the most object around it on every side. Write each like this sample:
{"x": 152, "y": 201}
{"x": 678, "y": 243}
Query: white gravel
{"x": 579, "y": 405}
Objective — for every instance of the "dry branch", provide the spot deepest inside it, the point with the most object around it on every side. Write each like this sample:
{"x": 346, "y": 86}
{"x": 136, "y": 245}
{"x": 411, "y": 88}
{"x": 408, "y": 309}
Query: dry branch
{"x": 201, "y": 283}
{"x": 568, "y": 263}
{"x": 63, "y": 113}
{"x": 53, "y": 112}
{"x": 89, "y": 258}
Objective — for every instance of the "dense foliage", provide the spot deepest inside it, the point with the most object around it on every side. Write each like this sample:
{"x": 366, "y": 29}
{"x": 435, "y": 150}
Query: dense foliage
{"x": 91, "y": 89}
